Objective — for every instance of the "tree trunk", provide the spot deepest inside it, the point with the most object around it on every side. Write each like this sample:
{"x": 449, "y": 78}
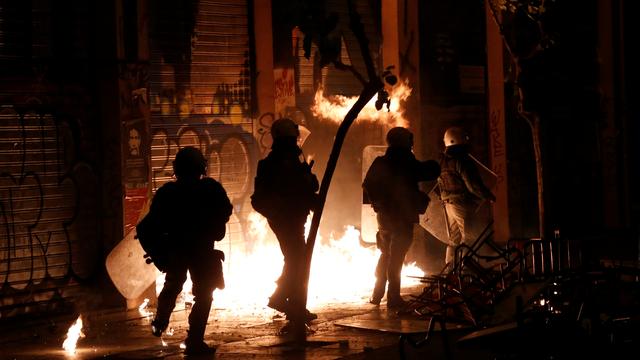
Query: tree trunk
{"x": 532, "y": 118}
{"x": 370, "y": 89}
{"x": 367, "y": 94}
{"x": 534, "y": 124}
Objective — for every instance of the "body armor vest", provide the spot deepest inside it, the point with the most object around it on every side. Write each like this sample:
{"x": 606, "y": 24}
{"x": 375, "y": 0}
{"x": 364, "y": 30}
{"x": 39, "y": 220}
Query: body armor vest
{"x": 450, "y": 182}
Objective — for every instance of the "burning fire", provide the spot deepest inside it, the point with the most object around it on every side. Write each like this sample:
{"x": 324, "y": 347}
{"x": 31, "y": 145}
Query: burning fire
{"x": 143, "y": 309}
{"x": 335, "y": 108}
{"x": 73, "y": 334}
{"x": 342, "y": 271}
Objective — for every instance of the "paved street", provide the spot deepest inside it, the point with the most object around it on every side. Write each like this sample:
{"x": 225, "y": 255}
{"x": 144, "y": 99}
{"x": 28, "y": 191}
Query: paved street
{"x": 126, "y": 335}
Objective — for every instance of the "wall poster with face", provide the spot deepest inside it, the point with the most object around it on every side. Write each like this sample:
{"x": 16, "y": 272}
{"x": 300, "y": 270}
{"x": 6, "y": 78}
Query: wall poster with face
{"x": 135, "y": 141}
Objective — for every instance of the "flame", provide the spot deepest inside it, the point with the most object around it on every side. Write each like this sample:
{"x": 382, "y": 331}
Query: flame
{"x": 341, "y": 271}
{"x": 73, "y": 334}
{"x": 335, "y": 108}
{"x": 143, "y": 308}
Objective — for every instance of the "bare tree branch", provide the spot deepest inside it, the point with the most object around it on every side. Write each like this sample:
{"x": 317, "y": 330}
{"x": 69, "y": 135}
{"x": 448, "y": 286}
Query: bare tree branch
{"x": 342, "y": 66}
{"x": 496, "y": 19}
{"x": 370, "y": 89}
{"x": 358, "y": 30}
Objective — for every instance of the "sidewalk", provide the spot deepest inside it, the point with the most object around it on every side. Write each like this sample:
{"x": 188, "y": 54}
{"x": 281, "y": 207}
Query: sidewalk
{"x": 338, "y": 333}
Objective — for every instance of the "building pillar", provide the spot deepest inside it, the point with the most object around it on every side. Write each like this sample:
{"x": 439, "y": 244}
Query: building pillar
{"x": 497, "y": 128}
{"x": 264, "y": 82}
{"x": 122, "y": 62}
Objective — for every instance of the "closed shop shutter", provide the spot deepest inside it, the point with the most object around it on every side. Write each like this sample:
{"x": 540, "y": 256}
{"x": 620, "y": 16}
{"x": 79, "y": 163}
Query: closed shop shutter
{"x": 49, "y": 194}
{"x": 337, "y": 82}
{"x": 200, "y": 91}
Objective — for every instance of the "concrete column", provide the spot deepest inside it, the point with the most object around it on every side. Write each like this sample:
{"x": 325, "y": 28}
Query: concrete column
{"x": 126, "y": 120}
{"x": 264, "y": 57}
{"x": 497, "y": 128}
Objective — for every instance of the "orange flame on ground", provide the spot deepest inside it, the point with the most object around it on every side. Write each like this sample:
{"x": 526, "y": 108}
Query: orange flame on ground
{"x": 335, "y": 107}
{"x": 73, "y": 334}
{"x": 341, "y": 271}
{"x": 143, "y": 309}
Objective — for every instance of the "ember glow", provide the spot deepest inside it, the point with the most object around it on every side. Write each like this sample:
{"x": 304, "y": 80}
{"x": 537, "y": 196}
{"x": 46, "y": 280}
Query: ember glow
{"x": 73, "y": 334}
{"x": 342, "y": 271}
{"x": 335, "y": 107}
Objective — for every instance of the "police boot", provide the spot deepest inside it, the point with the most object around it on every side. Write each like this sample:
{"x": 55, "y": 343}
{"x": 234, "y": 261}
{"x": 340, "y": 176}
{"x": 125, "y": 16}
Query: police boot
{"x": 158, "y": 327}
{"x": 378, "y": 293}
{"x": 197, "y": 347}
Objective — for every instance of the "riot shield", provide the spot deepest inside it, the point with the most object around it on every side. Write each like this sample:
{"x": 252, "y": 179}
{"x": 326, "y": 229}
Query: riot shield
{"x": 434, "y": 220}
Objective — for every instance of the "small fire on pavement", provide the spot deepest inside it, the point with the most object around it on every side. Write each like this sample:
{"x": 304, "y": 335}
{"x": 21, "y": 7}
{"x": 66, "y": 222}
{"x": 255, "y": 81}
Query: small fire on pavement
{"x": 73, "y": 334}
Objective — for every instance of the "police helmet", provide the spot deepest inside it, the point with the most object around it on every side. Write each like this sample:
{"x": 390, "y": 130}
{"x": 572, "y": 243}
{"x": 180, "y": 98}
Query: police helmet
{"x": 400, "y": 137}
{"x": 284, "y": 128}
{"x": 189, "y": 162}
{"x": 455, "y": 136}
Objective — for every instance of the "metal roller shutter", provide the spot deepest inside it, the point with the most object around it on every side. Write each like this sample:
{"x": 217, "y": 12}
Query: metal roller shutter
{"x": 49, "y": 198}
{"x": 336, "y": 81}
{"x": 200, "y": 91}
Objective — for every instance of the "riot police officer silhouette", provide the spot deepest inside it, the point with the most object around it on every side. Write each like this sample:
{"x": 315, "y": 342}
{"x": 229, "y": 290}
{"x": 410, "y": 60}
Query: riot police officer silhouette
{"x": 391, "y": 185}
{"x": 193, "y": 211}
{"x": 460, "y": 187}
{"x": 285, "y": 193}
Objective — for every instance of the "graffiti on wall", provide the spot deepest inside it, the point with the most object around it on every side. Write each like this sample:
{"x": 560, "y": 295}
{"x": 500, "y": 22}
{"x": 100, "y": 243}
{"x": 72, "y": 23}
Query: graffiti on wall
{"x": 263, "y": 132}
{"x": 227, "y": 148}
{"x": 214, "y": 117}
{"x": 234, "y": 100}
{"x": 284, "y": 89}
{"x": 47, "y": 209}
{"x": 497, "y": 146}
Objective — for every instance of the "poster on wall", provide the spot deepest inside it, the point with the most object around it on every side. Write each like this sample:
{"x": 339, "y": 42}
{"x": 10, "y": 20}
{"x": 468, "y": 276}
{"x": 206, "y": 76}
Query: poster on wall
{"x": 135, "y": 159}
{"x": 285, "y": 90}
{"x": 136, "y": 171}
{"x": 135, "y": 118}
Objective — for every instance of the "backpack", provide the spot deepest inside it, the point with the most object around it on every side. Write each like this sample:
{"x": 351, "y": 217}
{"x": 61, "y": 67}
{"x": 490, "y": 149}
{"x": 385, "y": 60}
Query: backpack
{"x": 154, "y": 241}
{"x": 450, "y": 181}
{"x": 263, "y": 200}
